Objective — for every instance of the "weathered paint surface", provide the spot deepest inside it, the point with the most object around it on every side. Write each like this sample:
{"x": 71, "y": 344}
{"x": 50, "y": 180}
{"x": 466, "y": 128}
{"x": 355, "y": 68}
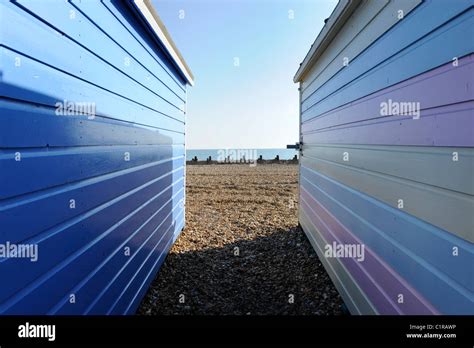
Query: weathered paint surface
{"x": 102, "y": 197}
{"x": 401, "y": 185}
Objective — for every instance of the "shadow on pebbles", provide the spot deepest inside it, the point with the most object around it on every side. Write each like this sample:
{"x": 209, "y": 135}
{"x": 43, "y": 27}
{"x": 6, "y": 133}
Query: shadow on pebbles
{"x": 242, "y": 252}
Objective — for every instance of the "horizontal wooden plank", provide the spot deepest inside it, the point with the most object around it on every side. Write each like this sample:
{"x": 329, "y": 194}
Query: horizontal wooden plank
{"x": 353, "y": 296}
{"x": 428, "y": 165}
{"x": 25, "y": 86}
{"x": 152, "y": 60}
{"x": 31, "y": 125}
{"x": 330, "y": 60}
{"x": 136, "y": 283}
{"x": 129, "y": 211}
{"x": 379, "y": 281}
{"x": 82, "y": 187}
{"x": 61, "y": 166}
{"x": 451, "y": 125}
{"x": 16, "y": 214}
{"x": 379, "y": 67}
{"x": 400, "y": 239}
{"x": 79, "y": 63}
{"x": 150, "y": 223}
{"x": 129, "y": 22}
{"x": 91, "y": 289}
{"x": 28, "y": 84}
{"x": 369, "y": 21}
{"x": 454, "y": 86}
{"x": 449, "y": 210}
{"x": 150, "y": 264}
{"x": 91, "y": 37}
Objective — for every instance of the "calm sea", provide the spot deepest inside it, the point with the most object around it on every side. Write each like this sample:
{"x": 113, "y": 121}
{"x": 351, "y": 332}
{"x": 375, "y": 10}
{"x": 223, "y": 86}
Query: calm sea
{"x": 236, "y": 154}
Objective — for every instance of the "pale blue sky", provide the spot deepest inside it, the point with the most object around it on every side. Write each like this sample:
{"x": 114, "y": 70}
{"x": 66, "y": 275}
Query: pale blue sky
{"x": 255, "y": 104}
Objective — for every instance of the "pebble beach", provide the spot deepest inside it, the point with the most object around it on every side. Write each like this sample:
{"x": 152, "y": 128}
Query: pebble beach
{"x": 242, "y": 251}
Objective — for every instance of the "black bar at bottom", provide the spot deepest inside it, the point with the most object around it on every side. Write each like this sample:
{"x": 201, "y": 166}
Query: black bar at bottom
{"x": 448, "y": 331}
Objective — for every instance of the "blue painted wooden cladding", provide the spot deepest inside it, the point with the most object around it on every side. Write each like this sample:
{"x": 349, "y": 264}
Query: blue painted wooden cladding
{"x": 401, "y": 186}
{"x": 102, "y": 196}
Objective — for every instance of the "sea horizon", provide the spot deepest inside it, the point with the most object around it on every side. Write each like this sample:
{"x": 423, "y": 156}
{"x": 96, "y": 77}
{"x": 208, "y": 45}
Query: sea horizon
{"x": 239, "y": 153}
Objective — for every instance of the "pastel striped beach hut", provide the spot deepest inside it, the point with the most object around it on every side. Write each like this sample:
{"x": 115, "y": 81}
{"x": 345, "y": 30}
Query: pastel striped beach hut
{"x": 92, "y": 168}
{"x": 387, "y": 159}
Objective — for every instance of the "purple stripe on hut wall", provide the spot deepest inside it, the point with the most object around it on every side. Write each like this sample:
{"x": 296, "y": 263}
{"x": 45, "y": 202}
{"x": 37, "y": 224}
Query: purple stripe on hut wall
{"x": 378, "y": 280}
{"x": 451, "y": 125}
{"x": 446, "y": 118}
{"x": 454, "y": 88}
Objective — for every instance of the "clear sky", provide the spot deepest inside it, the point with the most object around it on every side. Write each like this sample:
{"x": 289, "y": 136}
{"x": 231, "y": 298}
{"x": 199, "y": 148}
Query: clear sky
{"x": 243, "y": 54}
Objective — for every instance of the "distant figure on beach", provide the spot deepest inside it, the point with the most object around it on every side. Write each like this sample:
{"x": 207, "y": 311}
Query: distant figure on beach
{"x": 195, "y": 159}
{"x": 209, "y": 159}
{"x": 277, "y": 157}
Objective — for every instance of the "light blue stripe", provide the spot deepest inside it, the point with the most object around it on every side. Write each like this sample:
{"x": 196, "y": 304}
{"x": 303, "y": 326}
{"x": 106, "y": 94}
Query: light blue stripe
{"x": 399, "y": 54}
{"x": 402, "y": 240}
